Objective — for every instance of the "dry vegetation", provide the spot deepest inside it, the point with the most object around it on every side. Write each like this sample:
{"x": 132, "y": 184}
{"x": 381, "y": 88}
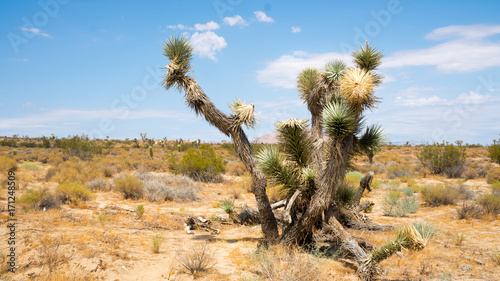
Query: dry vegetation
{"x": 119, "y": 216}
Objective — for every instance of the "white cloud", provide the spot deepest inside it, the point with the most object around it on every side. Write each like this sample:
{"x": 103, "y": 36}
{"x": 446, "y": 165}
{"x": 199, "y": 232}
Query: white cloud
{"x": 206, "y": 44}
{"x": 23, "y": 60}
{"x": 412, "y": 97}
{"x": 178, "y": 26}
{"x": 463, "y": 31}
{"x": 261, "y": 16}
{"x": 207, "y": 26}
{"x": 468, "y": 51}
{"x": 414, "y": 102}
{"x": 236, "y": 20}
{"x": 296, "y": 29}
{"x": 36, "y": 31}
{"x": 211, "y": 25}
{"x": 283, "y": 71}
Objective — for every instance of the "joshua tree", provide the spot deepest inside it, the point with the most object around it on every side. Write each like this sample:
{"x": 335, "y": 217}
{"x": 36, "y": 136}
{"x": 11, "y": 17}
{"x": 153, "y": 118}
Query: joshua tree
{"x": 309, "y": 165}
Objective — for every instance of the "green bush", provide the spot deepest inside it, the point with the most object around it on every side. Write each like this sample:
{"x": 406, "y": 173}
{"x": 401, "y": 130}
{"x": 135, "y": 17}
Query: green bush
{"x": 495, "y": 188}
{"x": 80, "y": 146}
{"x": 493, "y": 175}
{"x": 495, "y": 152}
{"x": 437, "y": 195}
{"x": 346, "y": 194}
{"x": 397, "y": 204}
{"x": 30, "y": 166}
{"x": 490, "y": 203}
{"x": 130, "y": 186}
{"x": 73, "y": 191}
{"x": 444, "y": 158}
{"x": 202, "y": 164}
{"x": 38, "y": 200}
{"x": 7, "y": 164}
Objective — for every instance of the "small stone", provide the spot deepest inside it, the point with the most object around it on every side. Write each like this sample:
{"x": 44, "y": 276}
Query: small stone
{"x": 466, "y": 267}
{"x": 222, "y": 217}
{"x": 479, "y": 262}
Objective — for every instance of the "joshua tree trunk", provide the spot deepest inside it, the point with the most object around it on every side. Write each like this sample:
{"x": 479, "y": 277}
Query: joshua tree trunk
{"x": 199, "y": 101}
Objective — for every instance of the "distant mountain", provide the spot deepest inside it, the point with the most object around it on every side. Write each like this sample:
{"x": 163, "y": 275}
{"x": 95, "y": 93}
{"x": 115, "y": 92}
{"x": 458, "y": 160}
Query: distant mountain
{"x": 271, "y": 138}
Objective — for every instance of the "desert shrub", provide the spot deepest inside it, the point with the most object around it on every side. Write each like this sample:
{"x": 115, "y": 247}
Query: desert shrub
{"x": 397, "y": 204}
{"x": 474, "y": 170}
{"x": 30, "y": 166}
{"x": 130, "y": 186}
{"x": 236, "y": 168}
{"x": 494, "y": 151}
{"x": 109, "y": 171}
{"x": 80, "y": 146}
{"x": 279, "y": 263}
{"x": 98, "y": 185}
{"x": 493, "y": 175}
{"x": 7, "y": 164}
{"x": 196, "y": 259}
{"x": 73, "y": 192}
{"x": 30, "y": 197}
{"x": 437, "y": 195}
{"x": 490, "y": 203}
{"x": 396, "y": 171}
{"x": 469, "y": 211}
{"x": 171, "y": 188}
{"x": 346, "y": 194}
{"x": 227, "y": 205}
{"x": 444, "y": 158}
{"x": 202, "y": 164}
{"x": 495, "y": 188}
{"x": 408, "y": 191}
{"x": 139, "y": 211}
{"x": 157, "y": 241}
{"x": 9, "y": 143}
{"x": 353, "y": 177}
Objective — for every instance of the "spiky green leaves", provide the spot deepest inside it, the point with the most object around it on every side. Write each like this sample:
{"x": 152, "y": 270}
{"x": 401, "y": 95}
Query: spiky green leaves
{"x": 339, "y": 120}
{"x": 410, "y": 237}
{"x": 372, "y": 139}
{"x": 334, "y": 70}
{"x": 294, "y": 140}
{"x": 278, "y": 169}
{"x": 306, "y": 81}
{"x": 243, "y": 113}
{"x": 367, "y": 58}
{"x": 178, "y": 50}
{"x": 357, "y": 88}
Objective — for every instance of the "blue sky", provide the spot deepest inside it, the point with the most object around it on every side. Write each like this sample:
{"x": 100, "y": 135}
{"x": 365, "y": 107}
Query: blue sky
{"x": 72, "y": 67}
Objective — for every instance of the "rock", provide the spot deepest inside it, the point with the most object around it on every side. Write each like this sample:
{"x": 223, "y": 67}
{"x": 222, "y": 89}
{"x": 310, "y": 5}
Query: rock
{"x": 222, "y": 217}
{"x": 479, "y": 262}
{"x": 466, "y": 267}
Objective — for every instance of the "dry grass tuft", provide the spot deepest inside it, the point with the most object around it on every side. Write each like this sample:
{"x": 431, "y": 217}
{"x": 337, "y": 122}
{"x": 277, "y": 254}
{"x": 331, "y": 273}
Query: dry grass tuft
{"x": 197, "y": 259}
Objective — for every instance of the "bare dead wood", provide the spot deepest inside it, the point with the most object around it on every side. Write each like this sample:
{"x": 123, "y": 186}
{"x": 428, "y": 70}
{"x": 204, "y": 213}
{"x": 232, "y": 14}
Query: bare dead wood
{"x": 287, "y": 213}
{"x": 192, "y": 223}
{"x": 278, "y": 204}
{"x": 364, "y": 183}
